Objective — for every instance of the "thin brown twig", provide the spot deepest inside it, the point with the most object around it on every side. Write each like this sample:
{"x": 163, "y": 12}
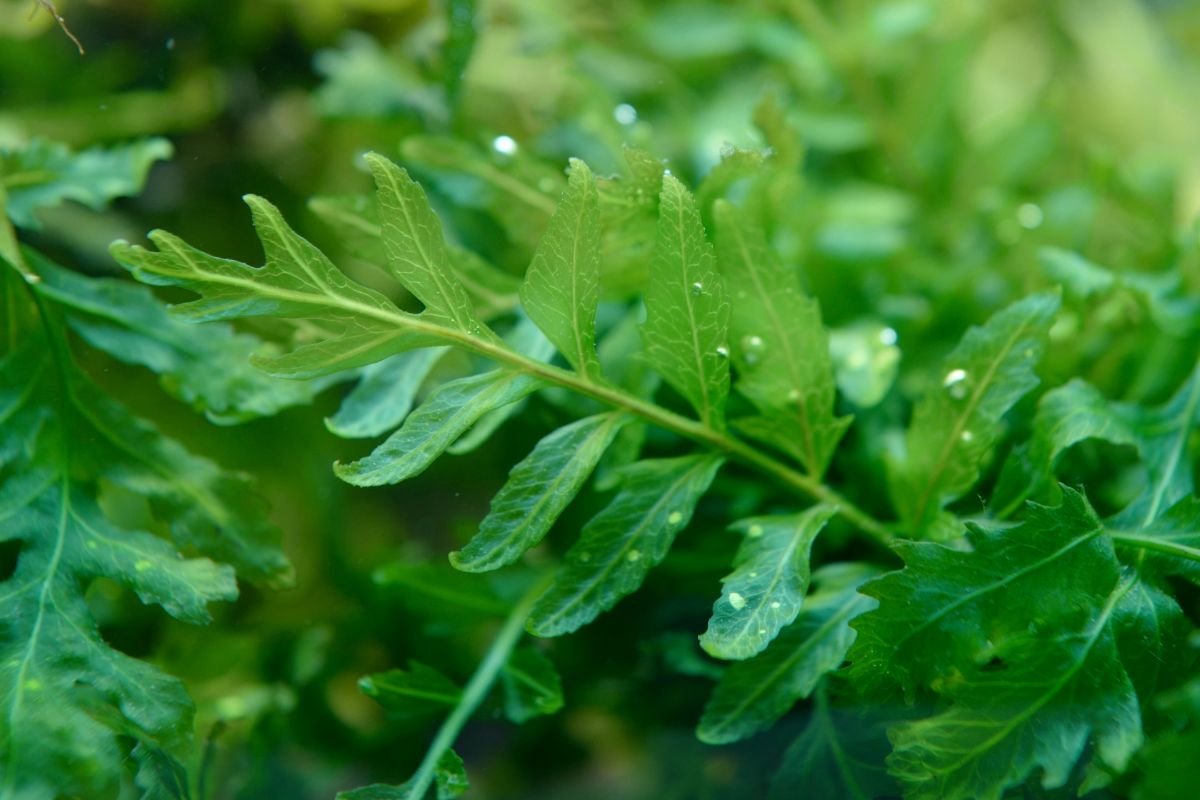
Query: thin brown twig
{"x": 52, "y": 10}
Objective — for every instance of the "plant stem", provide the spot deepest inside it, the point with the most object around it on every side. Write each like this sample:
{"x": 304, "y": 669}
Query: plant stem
{"x": 491, "y": 347}
{"x": 1157, "y": 545}
{"x": 476, "y": 689}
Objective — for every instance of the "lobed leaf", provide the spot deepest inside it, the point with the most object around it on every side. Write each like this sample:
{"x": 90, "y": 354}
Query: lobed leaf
{"x": 532, "y": 687}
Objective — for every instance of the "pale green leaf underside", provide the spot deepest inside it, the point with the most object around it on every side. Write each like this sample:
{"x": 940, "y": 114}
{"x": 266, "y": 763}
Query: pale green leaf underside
{"x": 538, "y": 489}
{"x": 767, "y": 587}
{"x": 621, "y": 543}
{"x": 447, "y": 414}
{"x": 384, "y": 395}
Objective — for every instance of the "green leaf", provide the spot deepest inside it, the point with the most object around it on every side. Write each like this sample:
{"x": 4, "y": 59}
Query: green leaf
{"x": 619, "y": 545}
{"x": 384, "y": 395}
{"x": 753, "y": 694}
{"x": 1077, "y": 411}
{"x": 943, "y": 614}
{"x": 1038, "y": 708}
{"x": 537, "y": 491}
{"x": 686, "y": 330}
{"x": 780, "y": 347}
{"x": 450, "y": 777}
{"x": 416, "y": 250}
{"x": 1022, "y": 633}
{"x": 417, "y": 694}
{"x": 355, "y": 220}
{"x": 865, "y": 362}
{"x": 446, "y": 415}
{"x": 355, "y": 325}
{"x": 68, "y": 699}
{"x": 562, "y": 286}
{"x": 839, "y": 756}
{"x": 767, "y": 587}
{"x": 532, "y": 687}
{"x": 44, "y": 174}
{"x": 212, "y": 372}
{"x": 958, "y": 422}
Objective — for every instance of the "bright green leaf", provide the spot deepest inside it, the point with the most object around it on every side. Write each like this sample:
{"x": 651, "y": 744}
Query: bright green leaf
{"x": 767, "y": 587}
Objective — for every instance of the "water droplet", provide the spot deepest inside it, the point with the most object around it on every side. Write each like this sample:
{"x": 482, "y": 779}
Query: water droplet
{"x": 754, "y": 574}
{"x": 794, "y": 395}
{"x": 171, "y": 43}
{"x": 776, "y": 604}
{"x": 752, "y": 348}
{"x": 762, "y": 631}
{"x": 723, "y": 351}
{"x": 955, "y": 383}
{"x": 737, "y": 601}
{"x": 625, "y": 114}
{"x": 697, "y": 289}
{"x": 141, "y": 565}
{"x": 504, "y": 145}
{"x": 1030, "y": 216}
{"x": 666, "y": 171}
{"x": 888, "y": 336}
{"x": 754, "y": 531}
{"x": 675, "y": 517}
{"x": 966, "y": 436}
{"x": 633, "y": 555}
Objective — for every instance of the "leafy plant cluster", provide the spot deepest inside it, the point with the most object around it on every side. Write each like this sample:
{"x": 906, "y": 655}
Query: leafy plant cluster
{"x": 880, "y": 447}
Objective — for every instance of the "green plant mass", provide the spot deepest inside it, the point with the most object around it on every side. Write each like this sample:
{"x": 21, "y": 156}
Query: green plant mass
{"x": 572, "y": 399}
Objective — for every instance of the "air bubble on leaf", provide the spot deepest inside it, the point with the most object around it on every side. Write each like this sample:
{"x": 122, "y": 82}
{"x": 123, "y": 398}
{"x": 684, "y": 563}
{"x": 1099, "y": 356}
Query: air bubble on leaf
{"x": 752, "y": 348}
{"x": 737, "y": 601}
{"x": 754, "y": 574}
{"x": 966, "y": 436}
{"x": 633, "y": 555}
{"x": 697, "y": 289}
{"x": 762, "y": 631}
{"x": 955, "y": 383}
{"x": 754, "y": 531}
{"x": 888, "y": 336}
{"x": 675, "y": 517}
{"x": 723, "y": 351}
{"x": 625, "y": 114}
{"x": 776, "y": 604}
{"x": 504, "y": 145}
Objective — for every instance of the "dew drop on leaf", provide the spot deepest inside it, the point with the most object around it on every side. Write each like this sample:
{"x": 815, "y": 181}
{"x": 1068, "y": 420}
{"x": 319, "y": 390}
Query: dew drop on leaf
{"x": 888, "y": 336}
{"x": 754, "y": 531}
{"x": 625, "y": 114}
{"x": 752, "y": 348}
{"x": 697, "y": 289}
{"x": 634, "y": 555}
{"x": 737, "y": 601}
{"x": 504, "y": 145}
{"x": 675, "y": 517}
{"x": 955, "y": 383}
{"x": 723, "y": 351}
